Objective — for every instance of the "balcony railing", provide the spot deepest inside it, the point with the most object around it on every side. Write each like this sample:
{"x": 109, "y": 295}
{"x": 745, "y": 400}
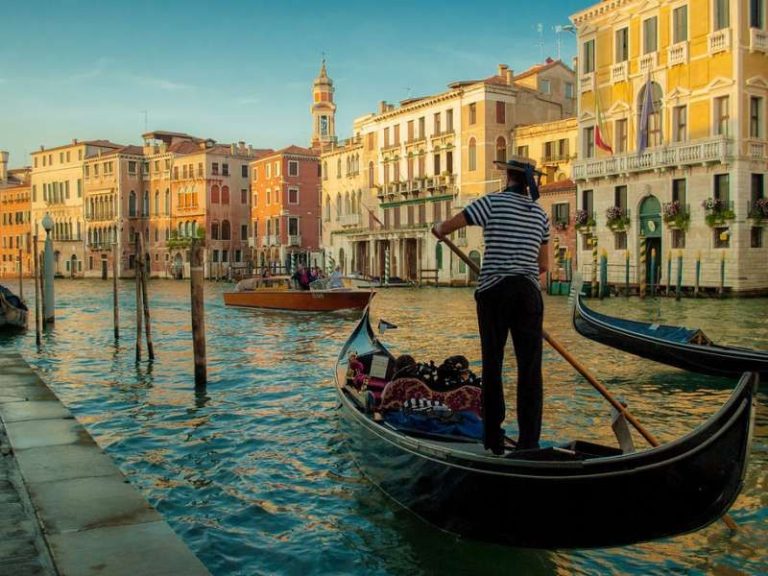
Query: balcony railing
{"x": 294, "y": 240}
{"x": 265, "y": 240}
{"x": 719, "y": 41}
{"x": 678, "y": 53}
{"x": 712, "y": 150}
{"x": 619, "y": 72}
{"x": 349, "y": 220}
{"x": 758, "y": 40}
{"x": 649, "y": 62}
{"x": 587, "y": 82}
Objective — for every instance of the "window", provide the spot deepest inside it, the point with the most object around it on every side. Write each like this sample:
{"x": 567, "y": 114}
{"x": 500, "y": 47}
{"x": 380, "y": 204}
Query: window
{"x": 396, "y": 134}
{"x": 755, "y": 117}
{"x": 472, "y": 113}
{"x": 269, "y": 197}
{"x": 386, "y": 137}
{"x": 132, "y": 168}
{"x": 226, "y": 233}
{"x": 756, "y": 237}
{"x": 269, "y": 170}
{"x": 587, "y": 201}
{"x": 436, "y": 164}
{"x": 620, "y": 197}
{"x": 522, "y": 151}
{"x": 721, "y": 119}
{"x": 680, "y": 24}
{"x": 679, "y": 123}
{"x": 132, "y": 204}
{"x": 472, "y": 164}
{"x": 588, "y": 57}
{"x": 215, "y": 197}
{"x": 215, "y": 231}
{"x": 243, "y": 196}
{"x": 678, "y": 191}
{"x": 215, "y": 168}
{"x": 422, "y": 124}
{"x": 561, "y": 213}
{"x": 449, "y": 161}
{"x": 650, "y": 35}
{"x": 437, "y": 123}
{"x": 545, "y": 86}
{"x": 293, "y": 168}
{"x": 589, "y": 142}
{"x": 449, "y": 120}
{"x": 721, "y": 14}
{"x": 293, "y": 195}
{"x": 621, "y": 46}
{"x": 244, "y": 170}
{"x": 678, "y": 238}
{"x": 569, "y": 90}
{"x": 501, "y": 149}
{"x": 721, "y": 237}
{"x": 293, "y": 226}
{"x": 722, "y": 186}
{"x": 756, "y": 13}
{"x": 225, "y": 194}
{"x": 501, "y": 111}
{"x": 620, "y": 135}
{"x": 620, "y": 240}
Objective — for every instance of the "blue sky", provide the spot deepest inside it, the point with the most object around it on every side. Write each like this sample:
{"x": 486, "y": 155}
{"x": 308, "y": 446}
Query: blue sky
{"x": 243, "y": 70}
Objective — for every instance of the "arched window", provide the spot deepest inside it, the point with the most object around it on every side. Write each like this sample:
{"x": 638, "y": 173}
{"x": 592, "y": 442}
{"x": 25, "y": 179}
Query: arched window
{"x": 215, "y": 231}
{"x": 347, "y": 204}
{"x": 338, "y": 168}
{"x": 325, "y": 170}
{"x": 225, "y": 194}
{"x": 132, "y": 203}
{"x": 214, "y": 194}
{"x": 167, "y": 201}
{"x": 338, "y": 205}
{"x": 472, "y": 163}
{"x": 225, "y": 230}
{"x": 157, "y": 202}
{"x": 328, "y": 208}
{"x": 145, "y": 204}
{"x": 371, "y": 179}
{"x": 501, "y": 149}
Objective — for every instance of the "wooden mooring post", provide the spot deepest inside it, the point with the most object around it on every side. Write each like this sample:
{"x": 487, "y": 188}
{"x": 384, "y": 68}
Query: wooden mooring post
{"x": 36, "y": 281}
{"x": 139, "y": 304}
{"x": 669, "y": 272}
{"x": 721, "y": 289}
{"x": 626, "y": 275}
{"x": 115, "y": 300}
{"x": 198, "y": 313}
{"x": 145, "y": 300}
{"x": 21, "y": 275}
{"x": 698, "y": 275}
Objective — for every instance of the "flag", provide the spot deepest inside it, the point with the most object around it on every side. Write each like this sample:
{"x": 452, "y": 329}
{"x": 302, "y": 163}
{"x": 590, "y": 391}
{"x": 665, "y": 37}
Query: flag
{"x": 599, "y": 131}
{"x": 374, "y": 217}
{"x": 645, "y": 116}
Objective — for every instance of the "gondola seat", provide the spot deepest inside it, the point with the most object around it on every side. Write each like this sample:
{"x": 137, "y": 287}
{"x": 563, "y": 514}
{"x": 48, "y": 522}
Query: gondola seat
{"x": 400, "y": 390}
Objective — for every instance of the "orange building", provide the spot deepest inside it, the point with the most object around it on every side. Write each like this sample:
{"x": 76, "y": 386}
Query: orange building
{"x": 15, "y": 228}
{"x": 285, "y": 194}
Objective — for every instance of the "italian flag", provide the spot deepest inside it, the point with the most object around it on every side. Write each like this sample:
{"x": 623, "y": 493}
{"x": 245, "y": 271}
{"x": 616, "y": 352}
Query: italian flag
{"x": 599, "y": 140}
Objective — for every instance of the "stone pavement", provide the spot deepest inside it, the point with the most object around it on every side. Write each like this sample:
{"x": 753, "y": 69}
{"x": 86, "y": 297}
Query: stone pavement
{"x": 65, "y": 508}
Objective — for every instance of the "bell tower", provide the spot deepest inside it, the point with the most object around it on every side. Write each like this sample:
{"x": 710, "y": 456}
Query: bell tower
{"x": 323, "y": 110}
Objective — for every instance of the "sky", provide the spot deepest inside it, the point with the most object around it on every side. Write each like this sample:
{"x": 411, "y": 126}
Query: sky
{"x": 237, "y": 70}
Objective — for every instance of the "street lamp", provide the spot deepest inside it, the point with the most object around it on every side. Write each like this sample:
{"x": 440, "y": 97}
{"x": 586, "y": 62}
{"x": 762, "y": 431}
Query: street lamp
{"x": 48, "y": 299}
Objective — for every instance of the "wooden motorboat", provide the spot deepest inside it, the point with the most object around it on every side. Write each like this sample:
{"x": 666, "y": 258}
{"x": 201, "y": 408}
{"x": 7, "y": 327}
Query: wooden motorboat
{"x": 13, "y": 311}
{"x": 574, "y": 494}
{"x": 277, "y": 293}
{"x": 686, "y": 348}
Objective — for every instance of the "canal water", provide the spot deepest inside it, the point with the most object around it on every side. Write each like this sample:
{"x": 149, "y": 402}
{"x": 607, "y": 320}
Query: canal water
{"x": 253, "y": 475}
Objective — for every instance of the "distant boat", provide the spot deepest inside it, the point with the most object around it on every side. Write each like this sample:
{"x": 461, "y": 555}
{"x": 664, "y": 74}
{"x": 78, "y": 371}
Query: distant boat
{"x": 572, "y": 495}
{"x": 376, "y": 282}
{"x": 686, "y": 348}
{"x": 13, "y": 312}
{"x": 276, "y": 293}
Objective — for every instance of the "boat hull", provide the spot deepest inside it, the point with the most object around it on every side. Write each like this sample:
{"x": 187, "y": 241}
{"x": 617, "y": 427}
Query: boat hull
{"x": 546, "y": 500}
{"x": 300, "y": 300}
{"x": 712, "y": 359}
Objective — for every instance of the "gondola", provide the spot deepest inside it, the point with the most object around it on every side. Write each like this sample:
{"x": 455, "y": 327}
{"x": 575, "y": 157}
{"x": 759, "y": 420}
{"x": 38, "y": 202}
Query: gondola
{"x": 689, "y": 349}
{"x": 13, "y": 311}
{"x": 572, "y": 495}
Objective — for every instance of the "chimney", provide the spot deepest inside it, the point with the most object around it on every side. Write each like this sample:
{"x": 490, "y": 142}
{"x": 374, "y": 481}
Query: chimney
{"x": 232, "y": 149}
{"x": 74, "y": 141}
{"x": 382, "y": 106}
{"x": 3, "y": 166}
{"x": 510, "y": 74}
{"x": 503, "y": 70}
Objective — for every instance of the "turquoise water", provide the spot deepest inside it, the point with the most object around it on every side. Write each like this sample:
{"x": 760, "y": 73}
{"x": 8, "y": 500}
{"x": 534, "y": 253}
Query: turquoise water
{"x": 253, "y": 474}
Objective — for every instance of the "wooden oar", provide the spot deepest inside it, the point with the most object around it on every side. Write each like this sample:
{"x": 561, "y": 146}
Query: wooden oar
{"x": 579, "y": 368}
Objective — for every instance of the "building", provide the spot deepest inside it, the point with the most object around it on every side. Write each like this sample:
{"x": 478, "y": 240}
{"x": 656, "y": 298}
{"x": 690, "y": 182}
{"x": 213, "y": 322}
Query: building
{"x": 410, "y": 165}
{"x": 15, "y": 231}
{"x": 57, "y": 189}
{"x": 113, "y": 187}
{"x": 673, "y": 153}
{"x": 553, "y": 146}
{"x": 285, "y": 192}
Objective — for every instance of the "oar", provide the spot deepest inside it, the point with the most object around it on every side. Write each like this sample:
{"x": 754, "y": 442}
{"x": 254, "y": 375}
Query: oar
{"x": 579, "y": 368}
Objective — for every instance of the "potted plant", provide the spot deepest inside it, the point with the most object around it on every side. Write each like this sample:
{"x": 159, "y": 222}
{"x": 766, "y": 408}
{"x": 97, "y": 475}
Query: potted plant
{"x": 716, "y": 212}
{"x": 583, "y": 221}
{"x": 561, "y": 225}
{"x": 617, "y": 218}
{"x": 759, "y": 211}
{"x": 676, "y": 216}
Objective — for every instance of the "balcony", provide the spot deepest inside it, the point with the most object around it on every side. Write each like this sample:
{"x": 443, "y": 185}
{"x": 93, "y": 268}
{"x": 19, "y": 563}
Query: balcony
{"x": 251, "y": 242}
{"x": 619, "y": 72}
{"x": 587, "y": 82}
{"x": 274, "y": 240}
{"x": 294, "y": 240}
{"x": 758, "y": 40}
{"x": 265, "y": 241}
{"x": 711, "y": 150}
{"x": 719, "y": 41}
{"x": 649, "y": 62}
{"x": 349, "y": 220}
{"x": 757, "y": 150}
{"x": 678, "y": 53}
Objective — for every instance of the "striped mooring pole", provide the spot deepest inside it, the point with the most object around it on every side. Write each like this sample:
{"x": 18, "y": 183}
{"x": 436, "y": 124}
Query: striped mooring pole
{"x": 603, "y": 274}
{"x": 386, "y": 266}
{"x": 653, "y": 273}
{"x": 594, "y": 267}
{"x": 642, "y": 272}
{"x": 626, "y": 275}
{"x": 669, "y": 271}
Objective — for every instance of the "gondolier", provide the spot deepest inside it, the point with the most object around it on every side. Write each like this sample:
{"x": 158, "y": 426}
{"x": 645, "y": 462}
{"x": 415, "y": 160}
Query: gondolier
{"x": 508, "y": 296}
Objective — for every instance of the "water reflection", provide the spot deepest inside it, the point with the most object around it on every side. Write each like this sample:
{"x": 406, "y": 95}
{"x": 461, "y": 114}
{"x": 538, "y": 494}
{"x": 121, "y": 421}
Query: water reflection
{"x": 252, "y": 471}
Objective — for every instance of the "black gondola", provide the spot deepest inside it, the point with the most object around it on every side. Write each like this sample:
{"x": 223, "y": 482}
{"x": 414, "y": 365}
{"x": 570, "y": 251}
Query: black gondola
{"x": 689, "y": 349}
{"x": 577, "y": 494}
{"x": 13, "y": 311}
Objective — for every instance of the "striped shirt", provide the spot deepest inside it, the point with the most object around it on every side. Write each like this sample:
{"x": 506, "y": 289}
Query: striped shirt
{"x": 514, "y": 228}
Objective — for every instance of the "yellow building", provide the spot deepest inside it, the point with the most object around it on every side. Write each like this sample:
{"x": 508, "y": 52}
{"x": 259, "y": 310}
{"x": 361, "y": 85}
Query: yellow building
{"x": 677, "y": 90}
{"x": 408, "y": 166}
{"x": 57, "y": 189}
{"x": 15, "y": 236}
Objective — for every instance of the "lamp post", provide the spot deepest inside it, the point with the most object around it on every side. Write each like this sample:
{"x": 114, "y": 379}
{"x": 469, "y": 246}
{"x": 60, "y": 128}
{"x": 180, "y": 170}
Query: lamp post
{"x": 48, "y": 299}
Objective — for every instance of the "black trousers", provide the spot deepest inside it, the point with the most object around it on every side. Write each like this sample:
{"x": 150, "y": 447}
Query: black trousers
{"x": 513, "y": 306}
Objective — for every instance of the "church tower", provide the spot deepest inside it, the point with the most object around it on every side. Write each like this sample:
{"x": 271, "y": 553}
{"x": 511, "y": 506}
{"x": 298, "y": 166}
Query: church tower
{"x": 323, "y": 110}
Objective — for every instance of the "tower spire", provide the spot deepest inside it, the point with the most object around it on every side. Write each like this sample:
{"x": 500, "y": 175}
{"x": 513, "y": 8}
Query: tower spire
{"x": 323, "y": 109}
